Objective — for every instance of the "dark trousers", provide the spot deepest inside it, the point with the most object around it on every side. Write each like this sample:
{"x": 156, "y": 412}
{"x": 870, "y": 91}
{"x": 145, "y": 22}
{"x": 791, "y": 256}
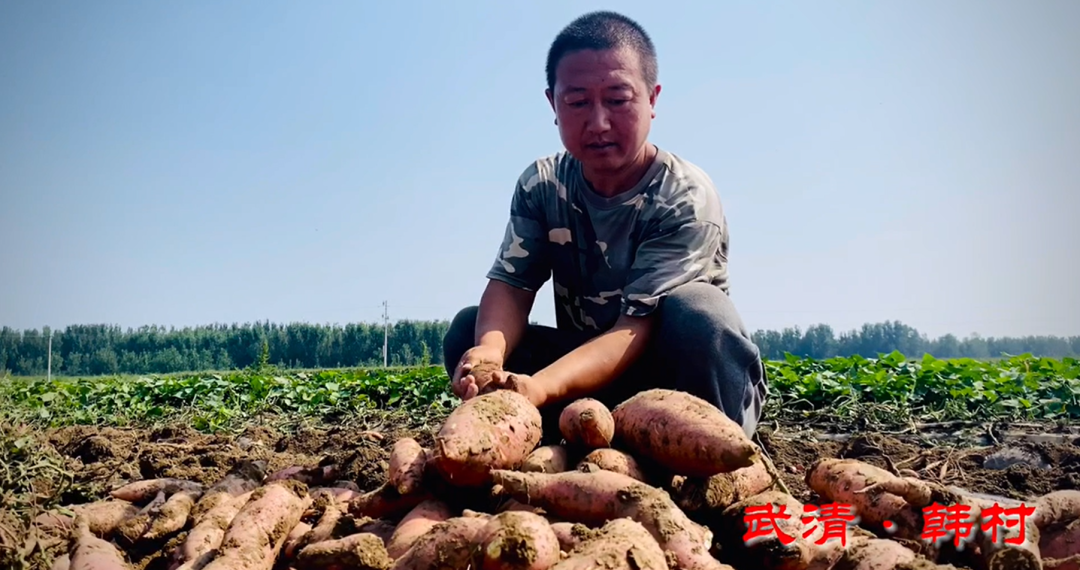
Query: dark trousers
{"x": 700, "y": 346}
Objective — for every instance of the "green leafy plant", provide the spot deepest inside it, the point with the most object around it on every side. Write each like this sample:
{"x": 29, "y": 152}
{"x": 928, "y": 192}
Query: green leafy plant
{"x": 887, "y": 390}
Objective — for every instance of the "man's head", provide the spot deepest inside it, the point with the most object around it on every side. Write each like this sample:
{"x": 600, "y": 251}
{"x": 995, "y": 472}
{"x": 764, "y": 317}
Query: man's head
{"x": 602, "y": 85}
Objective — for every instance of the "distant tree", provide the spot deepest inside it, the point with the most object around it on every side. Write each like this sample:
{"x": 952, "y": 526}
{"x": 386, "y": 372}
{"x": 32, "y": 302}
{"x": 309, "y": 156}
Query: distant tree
{"x": 150, "y": 349}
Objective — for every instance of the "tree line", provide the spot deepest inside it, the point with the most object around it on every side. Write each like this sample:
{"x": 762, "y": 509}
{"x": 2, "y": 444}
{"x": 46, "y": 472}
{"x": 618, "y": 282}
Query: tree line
{"x": 106, "y": 349}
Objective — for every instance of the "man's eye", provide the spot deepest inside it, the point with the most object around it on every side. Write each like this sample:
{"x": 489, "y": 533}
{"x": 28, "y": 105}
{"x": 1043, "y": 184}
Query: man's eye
{"x": 619, "y": 101}
{"x": 578, "y": 103}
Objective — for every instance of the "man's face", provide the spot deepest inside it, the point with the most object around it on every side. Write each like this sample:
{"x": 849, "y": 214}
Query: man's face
{"x": 603, "y": 107}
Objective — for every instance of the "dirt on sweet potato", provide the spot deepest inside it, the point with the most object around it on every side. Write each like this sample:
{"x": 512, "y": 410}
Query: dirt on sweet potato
{"x": 497, "y": 430}
{"x": 517, "y": 540}
{"x": 684, "y": 433}
{"x": 587, "y": 424}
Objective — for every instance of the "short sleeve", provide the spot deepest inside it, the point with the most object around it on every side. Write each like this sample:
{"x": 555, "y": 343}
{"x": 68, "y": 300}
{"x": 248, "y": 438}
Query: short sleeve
{"x": 682, "y": 252}
{"x": 523, "y": 260}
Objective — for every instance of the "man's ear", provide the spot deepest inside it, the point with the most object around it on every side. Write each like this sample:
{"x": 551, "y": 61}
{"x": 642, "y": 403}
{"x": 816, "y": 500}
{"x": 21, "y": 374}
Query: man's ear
{"x": 653, "y": 97}
{"x": 550, "y": 97}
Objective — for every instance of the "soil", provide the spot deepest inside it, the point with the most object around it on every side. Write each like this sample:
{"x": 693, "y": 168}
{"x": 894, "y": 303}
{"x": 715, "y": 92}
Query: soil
{"x": 100, "y": 459}
{"x": 1030, "y": 467}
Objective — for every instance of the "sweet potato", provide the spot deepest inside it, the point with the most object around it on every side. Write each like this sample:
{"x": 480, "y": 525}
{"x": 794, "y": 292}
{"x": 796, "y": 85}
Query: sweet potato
{"x": 381, "y": 528}
{"x": 129, "y": 531}
{"x": 682, "y": 432}
{"x": 448, "y": 544}
{"x": 293, "y": 543}
{"x": 1070, "y": 563}
{"x": 310, "y": 476}
{"x": 341, "y": 495}
{"x": 737, "y": 524}
{"x": 1057, "y": 509}
{"x": 385, "y": 502}
{"x": 323, "y": 530}
{"x": 571, "y": 534}
{"x": 484, "y": 372}
{"x": 621, "y": 544}
{"x": 517, "y": 540}
{"x": 212, "y": 516}
{"x": 102, "y": 517}
{"x": 514, "y": 505}
{"x": 258, "y": 531}
{"x": 345, "y": 484}
{"x": 88, "y": 552}
{"x": 586, "y": 423}
{"x": 841, "y": 480}
{"x": 722, "y": 490}
{"x": 596, "y": 497}
{"x": 172, "y": 516}
{"x": 996, "y": 554}
{"x": 497, "y": 430}
{"x": 547, "y": 459}
{"x": 874, "y": 554}
{"x": 61, "y": 562}
{"x": 360, "y": 551}
{"x": 614, "y": 460}
{"x": 406, "y": 465}
{"x": 148, "y": 489}
{"x": 1061, "y": 544}
{"x": 417, "y": 522}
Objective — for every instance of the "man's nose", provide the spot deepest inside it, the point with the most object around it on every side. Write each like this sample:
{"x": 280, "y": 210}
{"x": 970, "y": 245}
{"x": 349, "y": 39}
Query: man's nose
{"x": 598, "y": 119}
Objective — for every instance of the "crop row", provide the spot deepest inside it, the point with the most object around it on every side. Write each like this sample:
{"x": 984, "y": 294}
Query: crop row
{"x": 889, "y": 389}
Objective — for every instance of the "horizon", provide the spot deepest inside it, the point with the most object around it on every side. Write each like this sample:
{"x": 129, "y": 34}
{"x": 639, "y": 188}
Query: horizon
{"x": 837, "y": 333}
{"x": 213, "y": 165}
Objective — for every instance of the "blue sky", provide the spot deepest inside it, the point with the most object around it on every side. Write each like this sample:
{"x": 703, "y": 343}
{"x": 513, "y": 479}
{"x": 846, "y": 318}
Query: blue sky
{"x": 184, "y": 163}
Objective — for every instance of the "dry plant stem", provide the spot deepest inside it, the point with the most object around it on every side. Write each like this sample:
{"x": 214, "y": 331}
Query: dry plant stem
{"x": 773, "y": 472}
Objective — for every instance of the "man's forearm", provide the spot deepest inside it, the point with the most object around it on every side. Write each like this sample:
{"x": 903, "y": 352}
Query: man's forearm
{"x": 503, "y": 316}
{"x": 596, "y": 363}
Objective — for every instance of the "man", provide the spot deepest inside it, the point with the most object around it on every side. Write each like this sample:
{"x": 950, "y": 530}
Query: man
{"x": 635, "y": 239}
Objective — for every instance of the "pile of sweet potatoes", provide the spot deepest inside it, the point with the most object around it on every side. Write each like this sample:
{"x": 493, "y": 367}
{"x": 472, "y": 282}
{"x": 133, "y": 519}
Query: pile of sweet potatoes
{"x": 664, "y": 481}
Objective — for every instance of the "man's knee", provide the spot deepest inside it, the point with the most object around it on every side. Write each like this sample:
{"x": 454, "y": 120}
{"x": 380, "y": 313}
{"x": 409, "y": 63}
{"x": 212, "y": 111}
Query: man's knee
{"x": 702, "y": 337}
{"x": 459, "y": 337}
{"x": 700, "y": 308}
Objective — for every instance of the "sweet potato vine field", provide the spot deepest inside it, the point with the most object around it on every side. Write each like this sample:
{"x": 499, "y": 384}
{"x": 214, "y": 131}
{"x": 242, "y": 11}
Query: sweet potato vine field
{"x": 277, "y": 469}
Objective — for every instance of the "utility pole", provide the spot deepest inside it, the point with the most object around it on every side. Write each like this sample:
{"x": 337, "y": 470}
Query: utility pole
{"x": 50, "y": 354}
{"x": 386, "y": 335}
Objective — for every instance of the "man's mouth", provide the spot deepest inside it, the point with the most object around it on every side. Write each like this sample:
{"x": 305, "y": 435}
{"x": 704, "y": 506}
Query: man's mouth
{"x": 600, "y": 146}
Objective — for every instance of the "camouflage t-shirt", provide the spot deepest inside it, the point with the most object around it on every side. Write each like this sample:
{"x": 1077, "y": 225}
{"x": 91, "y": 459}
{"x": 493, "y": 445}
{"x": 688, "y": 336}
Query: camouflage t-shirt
{"x": 612, "y": 256}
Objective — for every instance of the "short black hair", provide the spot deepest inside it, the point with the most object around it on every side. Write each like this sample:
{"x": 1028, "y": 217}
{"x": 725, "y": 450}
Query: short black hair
{"x": 603, "y": 30}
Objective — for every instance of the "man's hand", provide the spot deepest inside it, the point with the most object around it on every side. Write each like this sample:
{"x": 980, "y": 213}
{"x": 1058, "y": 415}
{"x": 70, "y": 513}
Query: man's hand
{"x": 521, "y": 383}
{"x": 466, "y": 384}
